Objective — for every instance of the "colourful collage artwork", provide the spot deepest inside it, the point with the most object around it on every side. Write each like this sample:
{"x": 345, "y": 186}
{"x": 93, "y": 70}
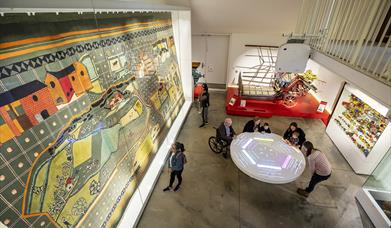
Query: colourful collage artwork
{"x": 85, "y": 102}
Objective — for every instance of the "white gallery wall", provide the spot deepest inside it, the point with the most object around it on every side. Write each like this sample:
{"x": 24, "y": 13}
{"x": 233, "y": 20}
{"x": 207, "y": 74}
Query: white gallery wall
{"x": 181, "y": 25}
{"x": 245, "y": 16}
{"x": 212, "y": 51}
{"x": 260, "y": 22}
{"x": 329, "y": 84}
{"x": 199, "y": 50}
{"x": 238, "y": 51}
{"x": 373, "y": 88}
{"x": 332, "y": 74}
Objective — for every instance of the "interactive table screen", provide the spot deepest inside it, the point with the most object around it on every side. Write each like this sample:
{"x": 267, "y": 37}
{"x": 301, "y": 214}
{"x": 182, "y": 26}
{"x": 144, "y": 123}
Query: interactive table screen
{"x": 266, "y": 157}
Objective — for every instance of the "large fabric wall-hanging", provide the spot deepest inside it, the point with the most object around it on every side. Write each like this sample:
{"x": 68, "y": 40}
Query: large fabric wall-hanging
{"x": 85, "y": 102}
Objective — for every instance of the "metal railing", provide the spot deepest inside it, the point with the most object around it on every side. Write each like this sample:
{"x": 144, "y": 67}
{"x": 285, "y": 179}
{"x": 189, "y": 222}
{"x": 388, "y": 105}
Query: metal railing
{"x": 355, "y": 32}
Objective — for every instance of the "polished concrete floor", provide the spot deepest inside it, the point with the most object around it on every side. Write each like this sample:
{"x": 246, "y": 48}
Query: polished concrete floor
{"x": 215, "y": 193}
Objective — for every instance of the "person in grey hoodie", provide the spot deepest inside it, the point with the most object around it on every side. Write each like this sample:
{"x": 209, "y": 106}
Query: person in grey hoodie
{"x": 176, "y": 163}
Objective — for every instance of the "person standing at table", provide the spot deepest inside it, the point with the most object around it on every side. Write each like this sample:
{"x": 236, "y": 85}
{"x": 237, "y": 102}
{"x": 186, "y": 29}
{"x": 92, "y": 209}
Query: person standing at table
{"x": 253, "y": 125}
{"x": 292, "y": 128}
{"x": 204, "y": 100}
{"x": 319, "y": 167}
{"x": 176, "y": 164}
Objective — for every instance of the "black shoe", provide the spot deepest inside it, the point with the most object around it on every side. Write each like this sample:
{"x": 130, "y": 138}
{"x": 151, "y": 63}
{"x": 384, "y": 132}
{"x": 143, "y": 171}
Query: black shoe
{"x": 176, "y": 188}
{"x": 302, "y": 192}
{"x": 225, "y": 155}
{"x": 202, "y": 125}
{"x": 167, "y": 189}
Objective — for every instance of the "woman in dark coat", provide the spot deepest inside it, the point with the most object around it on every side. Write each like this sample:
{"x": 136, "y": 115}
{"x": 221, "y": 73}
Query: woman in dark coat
{"x": 253, "y": 125}
{"x": 292, "y": 128}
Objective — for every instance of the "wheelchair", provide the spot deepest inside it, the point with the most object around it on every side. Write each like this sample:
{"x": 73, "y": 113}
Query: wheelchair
{"x": 218, "y": 145}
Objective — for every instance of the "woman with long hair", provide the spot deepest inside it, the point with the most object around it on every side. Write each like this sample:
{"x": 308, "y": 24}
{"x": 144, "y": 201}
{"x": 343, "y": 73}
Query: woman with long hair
{"x": 176, "y": 164}
{"x": 319, "y": 167}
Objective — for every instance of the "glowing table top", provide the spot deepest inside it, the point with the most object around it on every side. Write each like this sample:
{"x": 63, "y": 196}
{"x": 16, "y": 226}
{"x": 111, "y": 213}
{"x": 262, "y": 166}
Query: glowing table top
{"x": 266, "y": 157}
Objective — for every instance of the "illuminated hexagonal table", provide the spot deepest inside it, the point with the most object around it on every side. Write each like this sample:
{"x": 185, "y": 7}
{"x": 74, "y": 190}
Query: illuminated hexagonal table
{"x": 266, "y": 157}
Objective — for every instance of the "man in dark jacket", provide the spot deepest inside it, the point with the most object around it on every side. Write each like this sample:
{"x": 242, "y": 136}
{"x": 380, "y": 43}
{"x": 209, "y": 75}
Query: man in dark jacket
{"x": 292, "y": 128}
{"x": 226, "y": 133}
{"x": 253, "y": 125}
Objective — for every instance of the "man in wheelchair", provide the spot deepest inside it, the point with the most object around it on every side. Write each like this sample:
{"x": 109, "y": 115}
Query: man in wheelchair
{"x": 225, "y": 134}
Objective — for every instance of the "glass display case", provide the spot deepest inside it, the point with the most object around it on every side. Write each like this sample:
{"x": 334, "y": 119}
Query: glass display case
{"x": 359, "y": 127}
{"x": 363, "y": 124}
{"x": 375, "y": 195}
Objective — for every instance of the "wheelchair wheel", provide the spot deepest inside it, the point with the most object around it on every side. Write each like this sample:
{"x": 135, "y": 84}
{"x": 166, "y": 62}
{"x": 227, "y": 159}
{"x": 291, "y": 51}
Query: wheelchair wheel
{"x": 214, "y": 145}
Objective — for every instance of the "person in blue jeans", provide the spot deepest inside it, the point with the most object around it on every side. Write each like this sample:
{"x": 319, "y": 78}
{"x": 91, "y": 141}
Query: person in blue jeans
{"x": 176, "y": 164}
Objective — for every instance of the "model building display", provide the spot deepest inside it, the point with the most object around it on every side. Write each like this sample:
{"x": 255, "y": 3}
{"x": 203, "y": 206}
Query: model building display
{"x": 361, "y": 123}
{"x": 258, "y": 79}
{"x": 85, "y": 102}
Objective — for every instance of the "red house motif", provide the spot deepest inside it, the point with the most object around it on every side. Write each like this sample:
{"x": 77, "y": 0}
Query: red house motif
{"x": 38, "y": 104}
{"x": 23, "y": 107}
{"x": 63, "y": 84}
{"x": 59, "y": 85}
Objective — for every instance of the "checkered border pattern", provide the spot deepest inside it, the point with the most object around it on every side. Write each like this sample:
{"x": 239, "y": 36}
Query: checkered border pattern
{"x": 26, "y": 65}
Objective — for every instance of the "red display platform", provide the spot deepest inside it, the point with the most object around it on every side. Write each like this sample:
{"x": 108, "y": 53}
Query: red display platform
{"x": 306, "y": 107}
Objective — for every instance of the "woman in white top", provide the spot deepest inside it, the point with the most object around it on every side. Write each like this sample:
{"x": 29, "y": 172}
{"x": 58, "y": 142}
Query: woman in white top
{"x": 319, "y": 167}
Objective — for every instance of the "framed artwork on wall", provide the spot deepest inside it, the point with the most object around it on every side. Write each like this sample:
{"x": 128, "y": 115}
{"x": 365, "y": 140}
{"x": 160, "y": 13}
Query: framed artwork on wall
{"x": 86, "y": 101}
